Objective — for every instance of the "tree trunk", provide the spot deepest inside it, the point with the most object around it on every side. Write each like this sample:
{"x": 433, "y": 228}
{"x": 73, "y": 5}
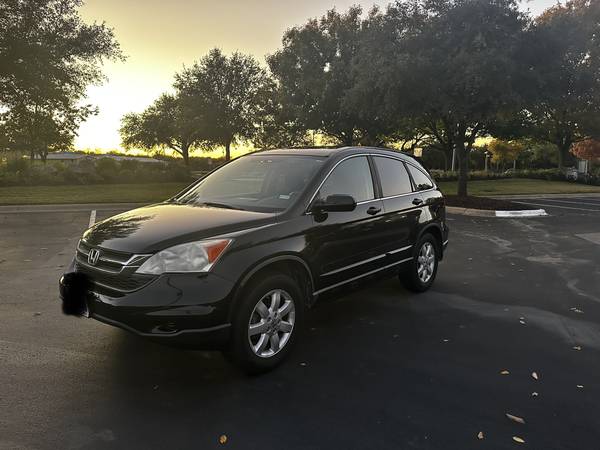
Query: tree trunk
{"x": 228, "y": 150}
{"x": 463, "y": 168}
{"x": 564, "y": 156}
{"x": 185, "y": 152}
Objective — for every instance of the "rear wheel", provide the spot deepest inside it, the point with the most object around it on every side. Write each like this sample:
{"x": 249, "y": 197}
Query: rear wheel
{"x": 266, "y": 323}
{"x": 421, "y": 271}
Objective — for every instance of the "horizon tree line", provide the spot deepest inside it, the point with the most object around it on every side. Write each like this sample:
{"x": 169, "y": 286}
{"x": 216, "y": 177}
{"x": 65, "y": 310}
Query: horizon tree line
{"x": 435, "y": 75}
{"x": 424, "y": 74}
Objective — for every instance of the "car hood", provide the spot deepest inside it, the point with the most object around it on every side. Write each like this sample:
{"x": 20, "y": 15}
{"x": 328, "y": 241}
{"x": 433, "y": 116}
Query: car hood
{"x": 156, "y": 227}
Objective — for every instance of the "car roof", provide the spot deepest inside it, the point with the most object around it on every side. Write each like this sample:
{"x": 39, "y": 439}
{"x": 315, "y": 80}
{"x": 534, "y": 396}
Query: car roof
{"x": 339, "y": 151}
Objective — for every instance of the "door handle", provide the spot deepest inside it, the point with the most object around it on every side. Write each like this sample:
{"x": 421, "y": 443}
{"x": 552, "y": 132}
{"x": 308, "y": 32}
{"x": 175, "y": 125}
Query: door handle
{"x": 417, "y": 201}
{"x": 373, "y": 210}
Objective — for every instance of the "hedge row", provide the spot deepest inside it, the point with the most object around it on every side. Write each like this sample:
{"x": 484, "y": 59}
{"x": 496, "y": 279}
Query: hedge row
{"x": 19, "y": 172}
{"x": 540, "y": 174}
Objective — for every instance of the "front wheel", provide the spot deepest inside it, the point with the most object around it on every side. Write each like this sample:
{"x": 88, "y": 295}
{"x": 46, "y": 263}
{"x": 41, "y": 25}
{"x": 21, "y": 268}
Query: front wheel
{"x": 266, "y": 323}
{"x": 422, "y": 269}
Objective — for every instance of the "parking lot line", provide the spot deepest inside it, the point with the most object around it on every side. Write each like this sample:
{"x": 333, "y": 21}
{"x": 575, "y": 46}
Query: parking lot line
{"x": 557, "y": 206}
{"x": 571, "y": 202}
{"x": 92, "y": 218}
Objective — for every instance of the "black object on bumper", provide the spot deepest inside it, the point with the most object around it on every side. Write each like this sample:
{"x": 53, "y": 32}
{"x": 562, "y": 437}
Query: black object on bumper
{"x": 183, "y": 310}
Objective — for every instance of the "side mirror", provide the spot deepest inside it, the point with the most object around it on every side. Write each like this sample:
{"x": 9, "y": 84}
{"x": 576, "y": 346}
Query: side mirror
{"x": 335, "y": 203}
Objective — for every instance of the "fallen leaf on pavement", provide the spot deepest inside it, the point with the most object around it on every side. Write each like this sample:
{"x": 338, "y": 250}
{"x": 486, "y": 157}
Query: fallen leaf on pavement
{"x": 480, "y": 435}
{"x": 534, "y": 375}
{"x": 504, "y": 372}
{"x": 515, "y": 418}
{"x": 222, "y": 439}
{"x": 518, "y": 439}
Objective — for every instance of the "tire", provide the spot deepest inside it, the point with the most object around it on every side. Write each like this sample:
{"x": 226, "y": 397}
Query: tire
{"x": 262, "y": 351}
{"x": 420, "y": 274}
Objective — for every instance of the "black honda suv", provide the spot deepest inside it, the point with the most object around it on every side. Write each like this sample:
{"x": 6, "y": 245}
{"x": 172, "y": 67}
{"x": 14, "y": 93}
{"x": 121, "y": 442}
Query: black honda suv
{"x": 233, "y": 261}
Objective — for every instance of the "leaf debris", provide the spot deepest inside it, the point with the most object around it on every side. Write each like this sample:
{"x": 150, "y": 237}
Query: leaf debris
{"x": 515, "y": 418}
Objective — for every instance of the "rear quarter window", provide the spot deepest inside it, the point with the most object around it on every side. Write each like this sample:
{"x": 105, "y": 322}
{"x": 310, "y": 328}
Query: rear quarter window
{"x": 420, "y": 178}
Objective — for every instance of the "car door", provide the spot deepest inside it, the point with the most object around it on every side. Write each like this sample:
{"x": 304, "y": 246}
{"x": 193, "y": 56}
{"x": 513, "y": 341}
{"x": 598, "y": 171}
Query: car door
{"x": 401, "y": 210}
{"x": 345, "y": 245}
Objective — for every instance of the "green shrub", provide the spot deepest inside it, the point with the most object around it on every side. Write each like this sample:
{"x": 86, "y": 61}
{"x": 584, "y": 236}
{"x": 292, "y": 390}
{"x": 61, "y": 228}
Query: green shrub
{"x": 541, "y": 174}
{"x": 14, "y": 165}
{"x": 108, "y": 169}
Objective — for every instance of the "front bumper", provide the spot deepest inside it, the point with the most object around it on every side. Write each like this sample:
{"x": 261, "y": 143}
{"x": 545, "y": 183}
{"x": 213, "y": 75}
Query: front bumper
{"x": 189, "y": 310}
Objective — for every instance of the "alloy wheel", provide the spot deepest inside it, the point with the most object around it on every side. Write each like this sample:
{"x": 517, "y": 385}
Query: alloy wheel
{"x": 271, "y": 323}
{"x": 426, "y": 262}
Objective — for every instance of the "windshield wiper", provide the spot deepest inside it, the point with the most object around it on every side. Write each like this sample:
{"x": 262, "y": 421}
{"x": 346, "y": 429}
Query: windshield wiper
{"x": 220, "y": 205}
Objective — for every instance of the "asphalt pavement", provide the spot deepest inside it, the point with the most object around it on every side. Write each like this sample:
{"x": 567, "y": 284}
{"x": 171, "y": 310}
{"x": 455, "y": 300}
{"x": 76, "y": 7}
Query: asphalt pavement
{"x": 377, "y": 367}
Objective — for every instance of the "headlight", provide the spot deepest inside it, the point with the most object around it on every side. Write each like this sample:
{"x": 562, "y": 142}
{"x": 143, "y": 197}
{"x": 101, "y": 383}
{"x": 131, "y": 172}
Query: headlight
{"x": 197, "y": 256}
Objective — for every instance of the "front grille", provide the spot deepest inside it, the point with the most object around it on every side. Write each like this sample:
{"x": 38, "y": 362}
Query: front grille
{"x": 109, "y": 259}
{"x": 114, "y": 271}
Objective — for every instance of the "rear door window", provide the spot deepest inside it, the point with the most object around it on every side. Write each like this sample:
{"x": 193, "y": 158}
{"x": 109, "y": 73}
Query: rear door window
{"x": 393, "y": 176}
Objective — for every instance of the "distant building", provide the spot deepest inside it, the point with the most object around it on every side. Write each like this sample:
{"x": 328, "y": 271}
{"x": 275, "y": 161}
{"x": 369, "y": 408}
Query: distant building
{"x": 75, "y": 157}
{"x": 70, "y": 157}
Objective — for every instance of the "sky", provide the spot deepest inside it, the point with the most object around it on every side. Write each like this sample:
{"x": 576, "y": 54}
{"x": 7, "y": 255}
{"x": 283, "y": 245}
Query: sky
{"x": 161, "y": 37}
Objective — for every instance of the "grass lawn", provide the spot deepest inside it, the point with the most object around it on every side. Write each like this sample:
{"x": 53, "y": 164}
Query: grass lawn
{"x": 93, "y": 193}
{"x": 518, "y": 186}
{"x": 154, "y": 192}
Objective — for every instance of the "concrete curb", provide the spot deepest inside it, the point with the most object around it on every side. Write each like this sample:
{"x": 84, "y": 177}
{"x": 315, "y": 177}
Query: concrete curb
{"x": 542, "y": 196}
{"x": 492, "y": 213}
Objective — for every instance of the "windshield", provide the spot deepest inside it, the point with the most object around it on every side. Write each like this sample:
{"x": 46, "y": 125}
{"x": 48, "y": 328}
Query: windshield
{"x": 256, "y": 183}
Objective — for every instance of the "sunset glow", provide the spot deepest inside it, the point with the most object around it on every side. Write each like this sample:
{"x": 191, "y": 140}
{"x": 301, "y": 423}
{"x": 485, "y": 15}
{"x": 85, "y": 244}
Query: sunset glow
{"x": 160, "y": 38}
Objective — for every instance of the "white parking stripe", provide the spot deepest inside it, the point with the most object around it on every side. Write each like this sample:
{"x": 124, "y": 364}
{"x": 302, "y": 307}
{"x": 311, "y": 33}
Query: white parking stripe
{"x": 546, "y": 205}
{"x": 92, "y": 218}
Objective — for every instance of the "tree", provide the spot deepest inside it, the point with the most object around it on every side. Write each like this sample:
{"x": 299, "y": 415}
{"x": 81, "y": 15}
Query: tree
{"x": 39, "y": 129}
{"x": 586, "y": 149}
{"x": 167, "y": 123}
{"x": 228, "y": 95}
{"x": 504, "y": 152}
{"x": 566, "y": 103}
{"x": 457, "y": 67}
{"x": 278, "y": 130}
{"x": 316, "y": 81}
{"x": 48, "y": 57}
